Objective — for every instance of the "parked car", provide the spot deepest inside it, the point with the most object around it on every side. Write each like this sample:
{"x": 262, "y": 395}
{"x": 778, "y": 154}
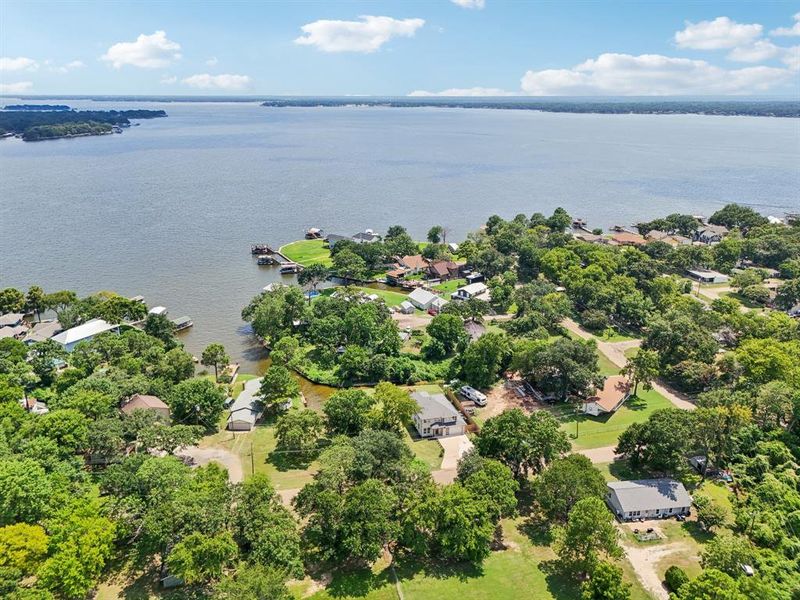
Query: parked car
{"x": 471, "y": 393}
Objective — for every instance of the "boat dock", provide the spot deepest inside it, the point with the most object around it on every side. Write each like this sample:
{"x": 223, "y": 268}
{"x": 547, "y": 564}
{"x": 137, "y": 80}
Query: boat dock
{"x": 265, "y": 255}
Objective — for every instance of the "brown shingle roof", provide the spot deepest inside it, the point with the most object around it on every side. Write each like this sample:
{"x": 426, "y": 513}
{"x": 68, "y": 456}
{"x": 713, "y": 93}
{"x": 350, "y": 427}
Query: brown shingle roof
{"x": 143, "y": 401}
{"x": 414, "y": 261}
{"x": 625, "y": 238}
{"x": 615, "y": 390}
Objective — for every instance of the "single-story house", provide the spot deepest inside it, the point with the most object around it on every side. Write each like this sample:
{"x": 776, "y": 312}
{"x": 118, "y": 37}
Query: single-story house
{"x": 34, "y": 406}
{"x": 437, "y": 417}
{"x": 11, "y": 319}
{"x": 394, "y": 276}
{"x": 82, "y": 333}
{"x": 422, "y": 299}
{"x": 145, "y": 402}
{"x": 616, "y": 390}
{"x": 13, "y": 331}
{"x": 710, "y": 234}
{"x": 473, "y": 290}
{"x": 406, "y": 307}
{"x": 626, "y": 238}
{"x": 332, "y": 238}
{"x": 43, "y": 331}
{"x": 414, "y": 263}
{"x": 438, "y": 304}
{"x": 673, "y": 239}
{"x": 366, "y": 237}
{"x": 591, "y": 238}
{"x": 444, "y": 270}
{"x": 648, "y": 499}
{"x": 707, "y": 275}
{"x": 247, "y": 408}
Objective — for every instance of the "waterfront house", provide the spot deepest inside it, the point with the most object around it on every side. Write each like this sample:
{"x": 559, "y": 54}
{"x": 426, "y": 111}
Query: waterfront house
{"x": 591, "y": 238}
{"x": 83, "y": 333}
{"x": 473, "y": 290}
{"x": 247, "y": 409}
{"x": 648, "y": 499}
{"x": 707, "y": 275}
{"x": 444, "y": 270}
{"x": 615, "y": 391}
{"x": 414, "y": 263}
{"x": 152, "y": 404}
{"x": 42, "y": 331}
{"x": 366, "y": 237}
{"x": 395, "y": 276}
{"x": 422, "y": 299}
{"x": 11, "y": 319}
{"x": 710, "y": 234}
{"x": 437, "y": 417}
{"x": 626, "y": 238}
{"x": 333, "y": 238}
{"x": 673, "y": 239}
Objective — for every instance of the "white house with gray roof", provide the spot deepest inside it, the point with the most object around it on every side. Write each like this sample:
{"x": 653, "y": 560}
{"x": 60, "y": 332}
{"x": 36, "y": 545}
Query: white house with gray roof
{"x": 83, "y": 333}
{"x": 247, "y": 408}
{"x": 648, "y": 499}
{"x": 437, "y": 417}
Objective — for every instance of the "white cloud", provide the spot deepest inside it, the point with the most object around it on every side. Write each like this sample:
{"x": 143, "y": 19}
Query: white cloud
{"x": 789, "y": 31}
{"x": 720, "y": 33}
{"x": 366, "y": 35}
{"x": 650, "y": 75}
{"x": 791, "y": 58}
{"x": 477, "y": 4}
{"x": 212, "y": 62}
{"x": 148, "y": 52}
{"x": 19, "y": 87}
{"x": 21, "y": 63}
{"x": 758, "y": 51}
{"x": 70, "y": 66}
{"x": 224, "y": 81}
{"x": 169, "y": 79}
{"x": 463, "y": 92}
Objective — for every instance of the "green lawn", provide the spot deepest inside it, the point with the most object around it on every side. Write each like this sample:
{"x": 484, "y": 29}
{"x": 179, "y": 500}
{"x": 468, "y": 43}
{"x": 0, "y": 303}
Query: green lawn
{"x": 596, "y": 432}
{"x": 308, "y": 252}
{"x": 256, "y": 449}
{"x": 448, "y": 287}
{"x": 520, "y": 570}
{"x": 391, "y": 298}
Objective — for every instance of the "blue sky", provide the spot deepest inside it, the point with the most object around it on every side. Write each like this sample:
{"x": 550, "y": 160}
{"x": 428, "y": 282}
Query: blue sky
{"x": 450, "y": 47}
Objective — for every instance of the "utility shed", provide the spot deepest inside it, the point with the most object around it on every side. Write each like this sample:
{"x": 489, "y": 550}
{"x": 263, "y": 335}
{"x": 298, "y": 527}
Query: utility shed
{"x": 648, "y": 499}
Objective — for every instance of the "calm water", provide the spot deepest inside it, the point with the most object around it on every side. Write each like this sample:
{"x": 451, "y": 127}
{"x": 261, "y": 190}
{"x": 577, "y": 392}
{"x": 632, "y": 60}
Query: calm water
{"x": 168, "y": 209}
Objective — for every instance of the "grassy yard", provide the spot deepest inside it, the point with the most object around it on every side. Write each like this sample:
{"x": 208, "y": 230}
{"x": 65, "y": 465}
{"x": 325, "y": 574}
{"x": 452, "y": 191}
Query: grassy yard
{"x": 391, "y": 298}
{"x": 596, "y": 432}
{"x": 521, "y": 570}
{"x": 448, "y": 287}
{"x": 308, "y": 252}
{"x": 257, "y": 451}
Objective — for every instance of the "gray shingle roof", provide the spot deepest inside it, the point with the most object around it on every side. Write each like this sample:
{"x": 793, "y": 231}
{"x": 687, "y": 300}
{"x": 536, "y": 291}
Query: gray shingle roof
{"x": 650, "y": 494}
{"x": 435, "y": 406}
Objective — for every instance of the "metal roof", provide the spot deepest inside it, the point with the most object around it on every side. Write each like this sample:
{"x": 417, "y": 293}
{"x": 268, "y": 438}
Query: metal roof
{"x": 650, "y": 494}
{"x": 82, "y": 332}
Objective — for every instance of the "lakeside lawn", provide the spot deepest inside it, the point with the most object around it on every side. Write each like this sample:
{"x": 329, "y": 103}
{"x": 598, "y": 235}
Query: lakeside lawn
{"x": 597, "y": 432}
{"x": 448, "y": 287}
{"x": 519, "y": 571}
{"x": 308, "y": 252}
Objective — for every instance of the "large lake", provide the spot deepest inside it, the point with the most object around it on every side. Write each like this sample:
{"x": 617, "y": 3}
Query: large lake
{"x": 168, "y": 209}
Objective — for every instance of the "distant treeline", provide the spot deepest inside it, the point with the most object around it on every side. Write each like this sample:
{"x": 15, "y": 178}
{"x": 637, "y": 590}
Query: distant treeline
{"x": 37, "y": 125}
{"x": 38, "y": 107}
{"x": 756, "y": 108}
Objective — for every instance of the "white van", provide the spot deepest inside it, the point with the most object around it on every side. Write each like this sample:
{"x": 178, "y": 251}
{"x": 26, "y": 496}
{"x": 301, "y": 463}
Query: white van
{"x": 471, "y": 393}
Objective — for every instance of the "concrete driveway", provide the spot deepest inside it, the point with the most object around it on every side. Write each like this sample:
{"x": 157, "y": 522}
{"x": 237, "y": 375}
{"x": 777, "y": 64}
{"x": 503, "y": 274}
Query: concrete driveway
{"x": 454, "y": 448}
